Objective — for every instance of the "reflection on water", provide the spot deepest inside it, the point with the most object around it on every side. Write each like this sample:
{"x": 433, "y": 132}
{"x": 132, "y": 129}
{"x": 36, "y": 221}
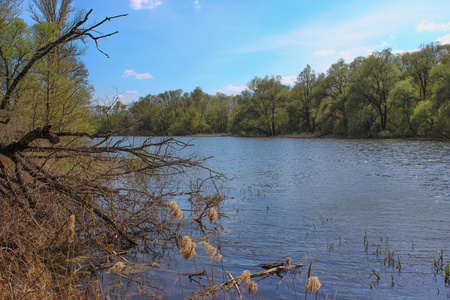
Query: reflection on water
{"x": 316, "y": 199}
{"x": 344, "y": 205}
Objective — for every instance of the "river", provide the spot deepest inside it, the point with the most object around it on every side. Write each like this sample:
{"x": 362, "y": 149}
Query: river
{"x": 344, "y": 205}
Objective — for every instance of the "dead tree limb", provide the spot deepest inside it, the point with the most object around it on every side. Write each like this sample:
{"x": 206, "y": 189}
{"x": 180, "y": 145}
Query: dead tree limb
{"x": 76, "y": 32}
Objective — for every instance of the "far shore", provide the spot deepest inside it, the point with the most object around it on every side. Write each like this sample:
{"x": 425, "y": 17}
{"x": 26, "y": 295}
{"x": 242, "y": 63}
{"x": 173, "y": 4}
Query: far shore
{"x": 302, "y": 135}
{"x": 296, "y": 135}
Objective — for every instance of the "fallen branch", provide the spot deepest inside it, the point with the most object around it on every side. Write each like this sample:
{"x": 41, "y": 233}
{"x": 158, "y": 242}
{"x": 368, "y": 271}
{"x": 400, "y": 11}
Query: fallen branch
{"x": 234, "y": 281}
{"x": 22, "y": 144}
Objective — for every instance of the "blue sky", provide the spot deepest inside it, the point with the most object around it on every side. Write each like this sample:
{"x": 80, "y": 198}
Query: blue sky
{"x": 220, "y": 45}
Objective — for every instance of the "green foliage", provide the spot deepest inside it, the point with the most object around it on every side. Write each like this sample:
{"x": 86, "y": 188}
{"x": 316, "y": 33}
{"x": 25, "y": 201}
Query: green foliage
{"x": 56, "y": 90}
{"x": 404, "y": 99}
{"x": 381, "y": 95}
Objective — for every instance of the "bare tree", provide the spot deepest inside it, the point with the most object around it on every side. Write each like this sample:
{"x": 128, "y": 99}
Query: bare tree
{"x": 68, "y": 193}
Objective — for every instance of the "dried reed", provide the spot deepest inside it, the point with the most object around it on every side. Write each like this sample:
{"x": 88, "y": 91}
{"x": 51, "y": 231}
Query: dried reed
{"x": 177, "y": 213}
{"x": 245, "y": 278}
{"x": 212, "y": 214}
{"x": 71, "y": 229}
{"x": 312, "y": 285}
{"x": 211, "y": 251}
{"x": 252, "y": 288}
{"x": 187, "y": 248}
{"x": 116, "y": 268}
{"x": 288, "y": 262}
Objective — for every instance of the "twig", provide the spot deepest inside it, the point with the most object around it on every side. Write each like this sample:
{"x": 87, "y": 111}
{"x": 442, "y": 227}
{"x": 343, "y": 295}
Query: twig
{"x": 139, "y": 281}
{"x": 236, "y": 286}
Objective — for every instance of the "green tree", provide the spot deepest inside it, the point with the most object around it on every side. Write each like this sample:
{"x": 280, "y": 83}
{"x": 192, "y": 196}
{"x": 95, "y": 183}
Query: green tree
{"x": 332, "y": 109}
{"x": 268, "y": 96}
{"x": 418, "y": 65}
{"x": 373, "y": 82}
{"x": 304, "y": 107}
{"x": 219, "y": 113}
{"x": 404, "y": 100}
{"x": 441, "y": 99}
{"x": 60, "y": 93}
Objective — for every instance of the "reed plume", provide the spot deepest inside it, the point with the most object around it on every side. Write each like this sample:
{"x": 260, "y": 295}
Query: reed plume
{"x": 187, "y": 248}
{"x": 116, "y": 268}
{"x": 212, "y": 214}
{"x": 177, "y": 213}
{"x": 71, "y": 229}
{"x": 288, "y": 262}
{"x": 313, "y": 284}
{"x": 252, "y": 288}
{"x": 245, "y": 278}
{"x": 211, "y": 251}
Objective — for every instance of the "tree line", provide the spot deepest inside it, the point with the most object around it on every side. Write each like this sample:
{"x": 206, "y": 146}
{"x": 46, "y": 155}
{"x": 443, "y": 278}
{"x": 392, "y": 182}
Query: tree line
{"x": 380, "y": 95}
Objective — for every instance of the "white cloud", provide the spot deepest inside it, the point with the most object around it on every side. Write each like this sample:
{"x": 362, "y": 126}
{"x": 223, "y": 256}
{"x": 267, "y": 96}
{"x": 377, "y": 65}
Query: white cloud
{"x": 197, "y": 4}
{"x": 352, "y": 32}
{"x": 128, "y": 73}
{"x": 444, "y": 40}
{"x": 119, "y": 96}
{"x": 131, "y": 92}
{"x": 144, "y": 4}
{"x": 350, "y": 54}
{"x": 401, "y": 51}
{"x": 384, "y": 44}
{"x": 233, "y": 90}
{"x": 432, "y": 26}
{"x": 143, "y": 76}
{"x": 324, "y": 52}
{"x": 289, "y": 80}
{"x": 356, "y": 36}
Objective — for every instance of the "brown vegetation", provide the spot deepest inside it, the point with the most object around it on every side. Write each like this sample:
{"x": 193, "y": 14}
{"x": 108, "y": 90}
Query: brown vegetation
{"x": 70, "y": 199}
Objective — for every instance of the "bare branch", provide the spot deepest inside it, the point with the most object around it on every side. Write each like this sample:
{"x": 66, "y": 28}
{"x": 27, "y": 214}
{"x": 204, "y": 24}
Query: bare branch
{"x": 74, "y": 33}
{"x": 44, "y": 133}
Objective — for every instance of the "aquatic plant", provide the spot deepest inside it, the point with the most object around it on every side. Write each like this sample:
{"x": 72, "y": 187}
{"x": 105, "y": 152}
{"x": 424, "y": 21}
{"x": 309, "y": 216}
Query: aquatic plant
{"x": 71, "y": 229}
{"x": 245, "y": 278}
{"x": 252, "y": 288}
{"x": 312, "y": 285}
{"x": 366, "y": 242}
{"x": 212, "y": 214}
{"x": 447, "y": 274}
{"x": 211, "y": 251}
{"x": 187, "y": 248}
{"x": 175, "y": 209}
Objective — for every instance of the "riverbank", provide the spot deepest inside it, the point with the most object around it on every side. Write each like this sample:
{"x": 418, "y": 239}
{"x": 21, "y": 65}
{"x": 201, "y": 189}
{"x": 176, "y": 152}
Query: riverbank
{"x": 320, "y": 136}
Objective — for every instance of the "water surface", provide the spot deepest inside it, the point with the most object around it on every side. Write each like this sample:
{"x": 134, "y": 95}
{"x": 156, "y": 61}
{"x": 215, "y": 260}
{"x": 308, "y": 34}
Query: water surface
{"x": 317, "y": 199}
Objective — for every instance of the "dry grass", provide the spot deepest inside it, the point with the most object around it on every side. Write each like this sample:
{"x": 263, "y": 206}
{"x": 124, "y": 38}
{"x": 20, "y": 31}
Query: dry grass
{"x": 65, "y": 209}
{"x": 33, "y": 257}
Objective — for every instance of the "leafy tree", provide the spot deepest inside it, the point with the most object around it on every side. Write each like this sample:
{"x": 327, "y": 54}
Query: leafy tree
{"x": 268, "y": 96}
{"x": 305, "y": 106}
{"x": 332, "y": 109}
{"x": 404, "y": 100}
{"x": 441, "y": 99}
{"x": 15, "y": 47}
{"x": 419, "y": 64}
{"x": 60, "y": 93}
{"x": 219, "y": 113}
{"x": 246, "y": 120}
{"x": 423, "y": 118}
{"x": 373, "y": 82}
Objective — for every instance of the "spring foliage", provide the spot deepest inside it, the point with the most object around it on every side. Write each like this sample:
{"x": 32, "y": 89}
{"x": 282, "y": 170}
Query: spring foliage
{"x": 381, "y": 95}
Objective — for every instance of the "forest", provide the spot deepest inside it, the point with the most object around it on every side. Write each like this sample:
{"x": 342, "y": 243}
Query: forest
{"x": 383, "y": 95}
